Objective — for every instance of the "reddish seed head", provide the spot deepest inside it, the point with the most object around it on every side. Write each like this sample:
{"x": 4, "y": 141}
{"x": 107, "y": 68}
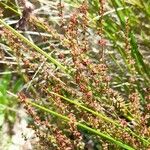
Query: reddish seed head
{"x": 73, "y": 19}
{"x": 89, "y": 94}
{"x": 102, "y": 42}
{"x": 61, "y": 56}
{"x": 22, "y": 97}
{"x": 148, "y": 107}
{"x": 26, "y": 62}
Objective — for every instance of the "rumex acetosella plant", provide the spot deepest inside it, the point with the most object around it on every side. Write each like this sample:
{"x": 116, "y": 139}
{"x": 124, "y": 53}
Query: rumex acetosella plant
{"x": 78, "y": 93}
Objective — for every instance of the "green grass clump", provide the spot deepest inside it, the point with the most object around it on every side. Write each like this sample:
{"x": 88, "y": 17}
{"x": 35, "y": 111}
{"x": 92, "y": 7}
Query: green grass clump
{"x": 82, "y": 69}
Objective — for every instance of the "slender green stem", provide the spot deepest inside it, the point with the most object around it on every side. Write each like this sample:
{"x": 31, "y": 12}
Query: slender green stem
{"x": 85, "y": 108}
{"x": 10, "y": 8}
{"x": 78, "y": 124}
{"x": 100, "y": 116}
{"x": 20, "y": 36}
{"x": 82, "y": 126}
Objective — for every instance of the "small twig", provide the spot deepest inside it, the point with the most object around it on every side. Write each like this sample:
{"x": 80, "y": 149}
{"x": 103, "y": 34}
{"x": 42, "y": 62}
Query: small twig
{"x": 39, "y": 68}
{"x": 10, "y": 63}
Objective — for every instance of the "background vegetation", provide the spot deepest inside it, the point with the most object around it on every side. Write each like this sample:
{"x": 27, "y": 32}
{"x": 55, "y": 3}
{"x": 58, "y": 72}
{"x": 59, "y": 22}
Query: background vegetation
{"x": 81, "y": 71}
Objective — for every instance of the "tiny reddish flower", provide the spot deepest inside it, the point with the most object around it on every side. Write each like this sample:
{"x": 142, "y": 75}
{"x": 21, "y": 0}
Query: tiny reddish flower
{"x": 102, "y": 42}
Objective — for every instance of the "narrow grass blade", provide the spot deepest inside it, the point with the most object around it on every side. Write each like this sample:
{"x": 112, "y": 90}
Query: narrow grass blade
{"x": 20, "y": 36}
{"x": 102, "y": 116}
{"x": 141, "y": 66}
{"x": 82, "y": 126}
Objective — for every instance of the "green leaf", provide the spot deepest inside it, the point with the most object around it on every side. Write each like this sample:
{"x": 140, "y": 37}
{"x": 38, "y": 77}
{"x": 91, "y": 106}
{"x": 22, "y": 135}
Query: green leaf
{"x": 141, "y": 66}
